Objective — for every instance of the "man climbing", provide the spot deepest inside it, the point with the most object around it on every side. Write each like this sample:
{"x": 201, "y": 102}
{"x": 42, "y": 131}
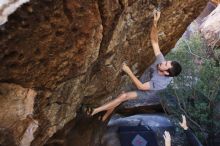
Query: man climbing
{"x": 161, "y": 70}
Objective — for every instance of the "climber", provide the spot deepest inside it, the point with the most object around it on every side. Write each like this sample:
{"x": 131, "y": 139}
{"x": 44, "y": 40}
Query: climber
{"x": 161, "y": 73}
{"x": 191, "y": 138}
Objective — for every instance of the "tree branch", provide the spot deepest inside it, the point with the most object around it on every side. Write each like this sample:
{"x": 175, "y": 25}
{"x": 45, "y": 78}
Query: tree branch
{"x": 190, "y": 51}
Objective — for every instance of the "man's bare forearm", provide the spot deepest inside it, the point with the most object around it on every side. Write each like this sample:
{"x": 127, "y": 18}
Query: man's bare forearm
{"x": 154, "y": 34}
{"x": 136, "y": 81}
{"x": 154, "y": 40}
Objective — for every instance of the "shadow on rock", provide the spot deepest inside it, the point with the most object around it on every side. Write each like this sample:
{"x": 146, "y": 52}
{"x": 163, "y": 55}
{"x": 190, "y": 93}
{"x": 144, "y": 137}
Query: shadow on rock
{"x": 82, "y": 131}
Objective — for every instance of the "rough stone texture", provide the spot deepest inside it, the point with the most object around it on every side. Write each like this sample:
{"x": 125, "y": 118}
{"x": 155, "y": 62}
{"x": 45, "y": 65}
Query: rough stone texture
{"x": 50, "y": 44}
{"x": 72, "y": 50}
{"x": 210, "y": 28}
{"x": 17, "y": 106}
{"x": 57, "y": 108}
{"x": 207, "y": 25}
{"x": 194, "y": 26}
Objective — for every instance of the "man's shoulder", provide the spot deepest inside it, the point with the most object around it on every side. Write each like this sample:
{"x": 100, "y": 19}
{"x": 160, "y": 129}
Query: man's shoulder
{"x": 160, "y": 56}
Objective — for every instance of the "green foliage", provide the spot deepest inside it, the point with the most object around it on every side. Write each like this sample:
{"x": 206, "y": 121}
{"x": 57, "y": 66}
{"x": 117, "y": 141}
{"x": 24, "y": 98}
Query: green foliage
{"x": 197, "y": 88}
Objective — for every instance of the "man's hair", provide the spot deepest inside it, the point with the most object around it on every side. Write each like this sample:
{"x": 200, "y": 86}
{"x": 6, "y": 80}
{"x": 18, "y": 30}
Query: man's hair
{"x": 175, "y": 69}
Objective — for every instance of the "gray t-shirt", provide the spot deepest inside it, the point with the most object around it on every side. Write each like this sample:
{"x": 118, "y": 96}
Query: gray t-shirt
{"x": 157, "y": 81}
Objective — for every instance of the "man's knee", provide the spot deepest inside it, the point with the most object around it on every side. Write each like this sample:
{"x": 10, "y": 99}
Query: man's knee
{"x": 123, "y": 97}
{"x": 127, "y": 96}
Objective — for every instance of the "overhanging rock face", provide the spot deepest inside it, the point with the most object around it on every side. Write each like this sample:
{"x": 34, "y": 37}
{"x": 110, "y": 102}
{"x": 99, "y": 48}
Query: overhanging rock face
{"x": 67, "y": 50}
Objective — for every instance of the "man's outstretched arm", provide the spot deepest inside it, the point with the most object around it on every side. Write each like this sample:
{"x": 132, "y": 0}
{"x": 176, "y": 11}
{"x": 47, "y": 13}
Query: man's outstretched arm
{"x": 138, "y": 83}
{"x": 154, "y": 34}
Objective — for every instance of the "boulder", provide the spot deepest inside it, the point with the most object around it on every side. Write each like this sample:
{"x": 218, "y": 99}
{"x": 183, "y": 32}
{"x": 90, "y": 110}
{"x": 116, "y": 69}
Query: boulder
{"x": 70, "y": 52}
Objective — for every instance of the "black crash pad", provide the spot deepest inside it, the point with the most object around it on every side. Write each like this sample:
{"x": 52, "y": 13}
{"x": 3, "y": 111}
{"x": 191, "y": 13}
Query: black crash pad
{"x": 137, "y": 136}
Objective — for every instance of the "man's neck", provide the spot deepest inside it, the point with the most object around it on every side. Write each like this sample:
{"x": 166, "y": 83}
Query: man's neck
{"x": 160, "y": 72}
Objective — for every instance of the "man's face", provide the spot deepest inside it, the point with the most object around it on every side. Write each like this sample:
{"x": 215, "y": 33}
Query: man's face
{"x": 164, "y": 66}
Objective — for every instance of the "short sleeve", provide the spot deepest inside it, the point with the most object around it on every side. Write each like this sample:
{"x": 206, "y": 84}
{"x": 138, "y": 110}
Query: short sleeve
{"x": 159, "y": 84}
{"x": 151, "y": 85}
{"x": 154, "y": 86}
{"x": 159, "y": 59}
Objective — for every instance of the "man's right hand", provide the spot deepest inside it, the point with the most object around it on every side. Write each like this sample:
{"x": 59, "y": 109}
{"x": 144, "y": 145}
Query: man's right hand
{"x": 125, "y": 68}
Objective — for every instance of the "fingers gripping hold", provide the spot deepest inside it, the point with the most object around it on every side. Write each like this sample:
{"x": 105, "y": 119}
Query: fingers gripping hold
{"x": 156, "y": 14}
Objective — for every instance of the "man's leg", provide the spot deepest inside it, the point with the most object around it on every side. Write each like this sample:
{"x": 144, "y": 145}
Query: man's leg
{"x": 114, "y": 103}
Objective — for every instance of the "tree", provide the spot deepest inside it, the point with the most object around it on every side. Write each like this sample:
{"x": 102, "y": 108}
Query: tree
{"x": 197, "y": 89}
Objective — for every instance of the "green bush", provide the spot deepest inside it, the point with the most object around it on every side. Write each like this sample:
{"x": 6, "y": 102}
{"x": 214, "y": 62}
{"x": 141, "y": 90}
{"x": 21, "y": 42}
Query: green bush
{"x": 197, "y": 88}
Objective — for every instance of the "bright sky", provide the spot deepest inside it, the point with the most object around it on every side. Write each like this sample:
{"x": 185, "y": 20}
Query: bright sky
{"x": 7, "y": 7}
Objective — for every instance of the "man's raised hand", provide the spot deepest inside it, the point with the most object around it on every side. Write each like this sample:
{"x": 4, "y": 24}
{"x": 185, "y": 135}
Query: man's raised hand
{"x": 167, "y": 138}
{"x": 156, "y": 16}
{"x": 183, "y": 124}
{"x": 125, "y": 68}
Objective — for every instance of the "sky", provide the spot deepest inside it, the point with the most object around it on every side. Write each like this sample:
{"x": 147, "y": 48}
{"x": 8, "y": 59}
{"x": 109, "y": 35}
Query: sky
{"x": 7, "y": 7}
